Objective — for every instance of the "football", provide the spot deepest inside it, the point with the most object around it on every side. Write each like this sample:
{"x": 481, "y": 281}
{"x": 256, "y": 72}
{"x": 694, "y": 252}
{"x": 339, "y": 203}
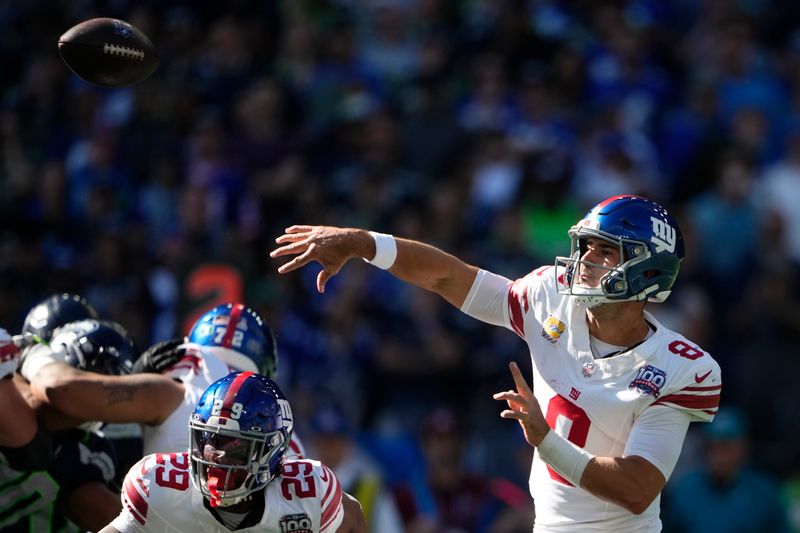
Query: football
{"x": 108, "y": 52}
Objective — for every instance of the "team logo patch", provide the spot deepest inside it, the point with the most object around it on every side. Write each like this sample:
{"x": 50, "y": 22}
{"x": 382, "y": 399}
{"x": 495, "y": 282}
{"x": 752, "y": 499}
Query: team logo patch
{"x": 296, "y": 523}
{"x": 649, "y": 380}
{"x": 553, "y": 329}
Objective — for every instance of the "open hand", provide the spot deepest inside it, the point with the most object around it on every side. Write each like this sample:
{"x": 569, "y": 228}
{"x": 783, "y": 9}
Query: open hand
{"x": 524, "y": 408}
{"x": 329, "y": 246}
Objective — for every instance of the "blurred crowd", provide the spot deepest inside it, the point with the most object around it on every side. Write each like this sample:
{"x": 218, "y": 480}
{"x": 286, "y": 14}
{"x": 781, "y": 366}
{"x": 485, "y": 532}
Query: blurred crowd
{"x": 485, "y": 127}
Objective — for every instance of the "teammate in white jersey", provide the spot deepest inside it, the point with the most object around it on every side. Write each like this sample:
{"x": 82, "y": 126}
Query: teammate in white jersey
{"x": 227, "y": 337}
{"x": 235, "y": 476}
{"x": 615, "y": 390}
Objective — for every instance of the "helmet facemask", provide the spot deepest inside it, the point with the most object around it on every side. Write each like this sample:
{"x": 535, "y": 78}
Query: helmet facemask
{"x": 229, "y": 464}
{"x": 613, "y": 285}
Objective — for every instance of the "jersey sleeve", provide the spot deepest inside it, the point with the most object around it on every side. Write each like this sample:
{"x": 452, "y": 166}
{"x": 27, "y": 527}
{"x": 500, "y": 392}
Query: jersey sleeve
{"x": 331, "y": 509}
{"x": 134, "y": 497}
{"x": 499, "y": 301}
{"x": 136, "y": 494}
{"x": 699, "y": 396}
{"x": 657, "y": 436}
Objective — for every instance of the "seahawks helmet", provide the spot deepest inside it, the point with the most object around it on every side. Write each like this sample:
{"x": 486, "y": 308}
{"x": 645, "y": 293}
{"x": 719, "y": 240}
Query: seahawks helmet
{"x": 240, "y": 430}
{"x": 100, "y": 346}
{"x": 55, "y": 311}
{"x": 650, "y": 245}
{"x": 239, "y": 337}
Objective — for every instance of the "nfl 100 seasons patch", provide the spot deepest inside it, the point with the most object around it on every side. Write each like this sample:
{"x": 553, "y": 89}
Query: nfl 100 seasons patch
{"x": 649, "y": 380}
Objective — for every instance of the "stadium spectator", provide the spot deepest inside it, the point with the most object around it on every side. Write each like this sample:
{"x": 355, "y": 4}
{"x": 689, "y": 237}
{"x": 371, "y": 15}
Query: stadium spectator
{"x": 732, "y": 495}
{"x": 334, "y": 445}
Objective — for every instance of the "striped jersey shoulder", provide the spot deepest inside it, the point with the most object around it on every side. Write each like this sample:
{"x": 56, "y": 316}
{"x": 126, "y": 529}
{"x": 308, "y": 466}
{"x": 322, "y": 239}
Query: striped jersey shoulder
{"x": 694, "y": 379}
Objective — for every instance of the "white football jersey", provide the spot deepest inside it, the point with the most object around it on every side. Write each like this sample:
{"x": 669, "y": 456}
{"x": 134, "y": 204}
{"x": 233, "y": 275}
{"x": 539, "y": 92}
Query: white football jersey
{"x": 196, "y": 370}
{"x": 158, "y": 496}
{"x": 593, "y": 403}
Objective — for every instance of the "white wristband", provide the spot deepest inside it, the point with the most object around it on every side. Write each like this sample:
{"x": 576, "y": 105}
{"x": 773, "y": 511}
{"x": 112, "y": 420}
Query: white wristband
{"x": 385, "y": 251}
{"x": 36, "y": 357}
{"x": 564, "y": 457}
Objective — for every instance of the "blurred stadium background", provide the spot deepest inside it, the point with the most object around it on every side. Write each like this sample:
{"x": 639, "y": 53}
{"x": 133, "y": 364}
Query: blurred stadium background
{"x": 483, "y": 126}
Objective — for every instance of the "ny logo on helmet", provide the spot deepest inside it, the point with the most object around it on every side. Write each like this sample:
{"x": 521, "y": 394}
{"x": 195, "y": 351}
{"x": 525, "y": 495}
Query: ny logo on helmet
{"x": 664, "y": 236}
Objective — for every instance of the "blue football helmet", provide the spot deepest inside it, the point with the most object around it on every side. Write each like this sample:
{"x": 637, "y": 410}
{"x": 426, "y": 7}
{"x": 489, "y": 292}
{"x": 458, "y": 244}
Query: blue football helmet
{"x": 239, "y": 337}
{"x": 54, "y": 312}
{"x": 651, "y": 250}
{"x": 100, "y": 346}
{"x": 240, "y": 430}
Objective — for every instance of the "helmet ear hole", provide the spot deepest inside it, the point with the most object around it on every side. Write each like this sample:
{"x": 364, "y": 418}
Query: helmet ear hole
{"x": 650, "y": 274}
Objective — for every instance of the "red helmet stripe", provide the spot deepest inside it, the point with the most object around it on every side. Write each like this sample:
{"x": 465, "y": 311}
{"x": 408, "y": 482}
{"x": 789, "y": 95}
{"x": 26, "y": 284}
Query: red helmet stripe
{"x": 233, "y": 320}
{"x": 230, "y": 396}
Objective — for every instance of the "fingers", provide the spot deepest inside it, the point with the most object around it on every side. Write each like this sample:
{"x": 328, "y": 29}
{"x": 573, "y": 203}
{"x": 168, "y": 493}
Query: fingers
{"x": 519, "y": 381}
{"x": 295, "y": 263}
{"x": 510, "y": 396}
{"x": 299, "y": 228}
{"x": 515, "y": 415}
{"x": 294, "y": 248}
{"x": 292, "y": 234}
{"x": 322, "y": 279}
{"x": 324, "y": 275}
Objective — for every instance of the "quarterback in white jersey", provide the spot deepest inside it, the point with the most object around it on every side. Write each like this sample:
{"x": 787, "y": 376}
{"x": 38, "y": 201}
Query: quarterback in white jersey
{"x": 615, "y": 390}
{"x": 638, "y": 401}
{"x": 236, "y": 477}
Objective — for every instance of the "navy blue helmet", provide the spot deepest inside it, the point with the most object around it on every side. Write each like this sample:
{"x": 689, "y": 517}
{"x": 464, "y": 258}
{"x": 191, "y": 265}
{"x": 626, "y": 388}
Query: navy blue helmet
{"x": 651, "y": 249}
{"x": 54, "y": 312}
{"x": 100, "y": 346}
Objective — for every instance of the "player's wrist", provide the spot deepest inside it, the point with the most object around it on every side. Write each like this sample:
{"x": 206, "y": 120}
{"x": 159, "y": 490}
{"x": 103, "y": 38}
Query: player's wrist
{"x": 385, "y": 250}
{"x": 538, "y": 436}
{"x": 564, "y": 457}
{"x": 36, "y": 357}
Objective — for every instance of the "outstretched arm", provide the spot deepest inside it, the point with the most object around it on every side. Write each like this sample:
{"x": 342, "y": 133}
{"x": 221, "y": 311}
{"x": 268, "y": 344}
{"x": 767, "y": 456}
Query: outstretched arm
{"x": 417, "y": 263}
{"x": 145, "y": 398}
